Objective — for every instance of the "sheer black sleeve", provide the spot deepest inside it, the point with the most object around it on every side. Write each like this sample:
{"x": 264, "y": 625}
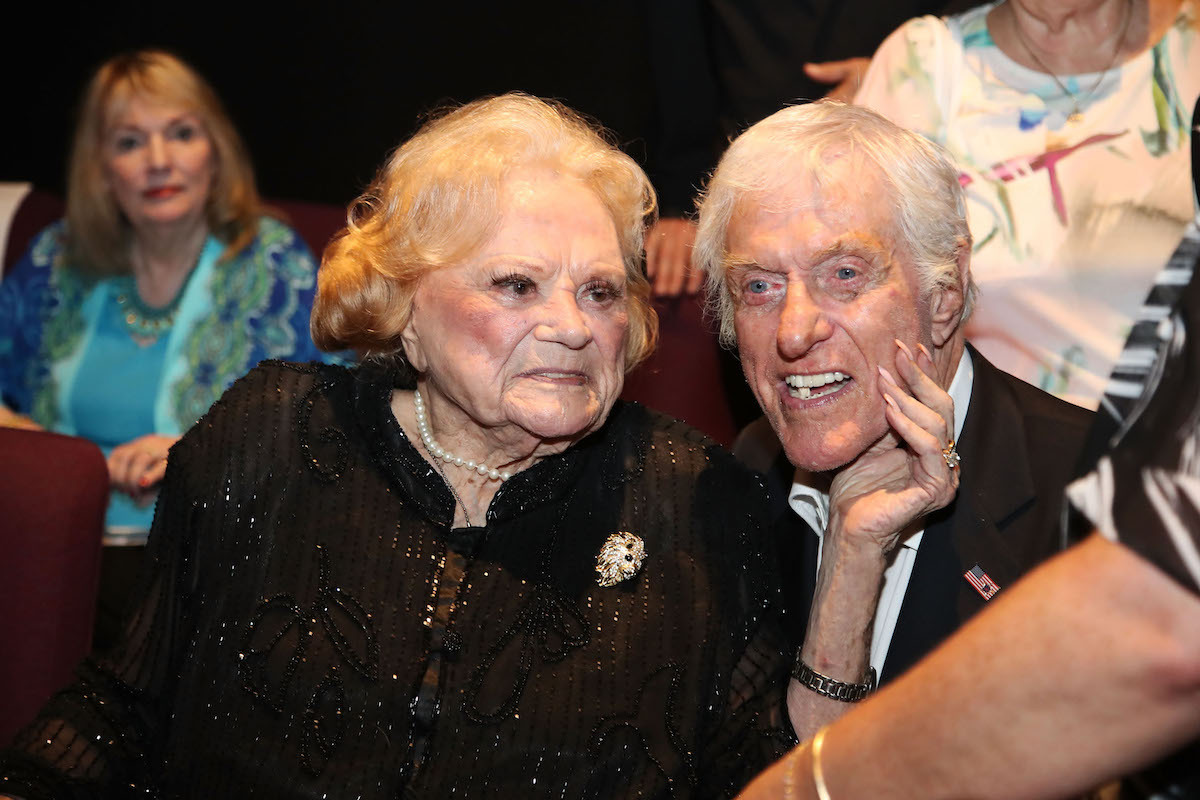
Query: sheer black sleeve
{"x": 752, "y": 729}
{"x": 100, "y": 736}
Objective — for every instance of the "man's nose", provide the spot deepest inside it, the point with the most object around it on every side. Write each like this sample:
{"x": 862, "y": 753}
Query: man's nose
{"x": 802, "y": 323}
{"x": 563, "y": 321}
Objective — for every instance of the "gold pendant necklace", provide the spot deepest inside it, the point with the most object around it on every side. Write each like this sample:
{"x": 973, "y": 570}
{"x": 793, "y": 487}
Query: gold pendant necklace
{"x": 1077, "y": 102}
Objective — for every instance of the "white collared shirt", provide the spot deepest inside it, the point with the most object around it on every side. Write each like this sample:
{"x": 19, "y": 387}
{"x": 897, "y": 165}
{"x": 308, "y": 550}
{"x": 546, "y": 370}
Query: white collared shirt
{"x": 813, "y": 507}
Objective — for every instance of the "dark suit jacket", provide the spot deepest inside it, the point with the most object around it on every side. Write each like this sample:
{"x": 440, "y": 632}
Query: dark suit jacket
{"x": 1018, "y": 446}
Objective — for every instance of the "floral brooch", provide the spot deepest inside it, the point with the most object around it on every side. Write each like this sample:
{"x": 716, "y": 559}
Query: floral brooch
{"x": 620, "y": 558}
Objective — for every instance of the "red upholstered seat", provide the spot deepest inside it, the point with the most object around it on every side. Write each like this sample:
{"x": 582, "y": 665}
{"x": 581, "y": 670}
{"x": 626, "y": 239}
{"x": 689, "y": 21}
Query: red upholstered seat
{"x": 683, "y": 376}
{"x": 53, "y": 493}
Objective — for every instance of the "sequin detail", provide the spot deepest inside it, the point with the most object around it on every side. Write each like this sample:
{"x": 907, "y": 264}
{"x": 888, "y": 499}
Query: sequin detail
{"x": 280, "y": 623}
{"x": 329, "y": 435}
{"x": 546, "y": 629}
{"x": 656, "y": 708}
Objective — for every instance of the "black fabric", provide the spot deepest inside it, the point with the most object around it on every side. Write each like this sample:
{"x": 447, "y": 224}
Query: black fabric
{"x": 719, "y": 66}
{"x": 1018, "y": 447}
{"x": 1153, "y": 464}
{"x": 291, "y": 616}
{"x": 1148, "y": 442}
{"x": 1147, "y": 445}
{"x": 119, "y": 570}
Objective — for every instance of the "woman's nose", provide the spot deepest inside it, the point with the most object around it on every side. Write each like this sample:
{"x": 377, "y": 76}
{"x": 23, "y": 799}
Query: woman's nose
{"x": 563, "y": 321}
{"x": 157, "y": 152}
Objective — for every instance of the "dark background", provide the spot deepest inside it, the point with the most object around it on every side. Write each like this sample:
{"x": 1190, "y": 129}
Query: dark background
{"x": 322, "y": 92}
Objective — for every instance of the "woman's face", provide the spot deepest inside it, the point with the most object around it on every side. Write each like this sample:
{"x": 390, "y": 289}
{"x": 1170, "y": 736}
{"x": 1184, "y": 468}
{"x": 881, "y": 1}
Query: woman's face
{"x": 159, "y": 163}
{"x": 526, "y": 339}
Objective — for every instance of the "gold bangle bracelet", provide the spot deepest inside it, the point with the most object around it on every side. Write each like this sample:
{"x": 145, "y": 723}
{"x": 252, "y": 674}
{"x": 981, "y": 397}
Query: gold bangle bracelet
{"x": 789, "y": 770}
{"x": 818, "y": 773}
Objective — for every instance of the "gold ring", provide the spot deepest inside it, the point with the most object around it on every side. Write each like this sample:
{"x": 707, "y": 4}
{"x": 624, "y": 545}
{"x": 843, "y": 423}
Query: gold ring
{"x": 950, "y": 454}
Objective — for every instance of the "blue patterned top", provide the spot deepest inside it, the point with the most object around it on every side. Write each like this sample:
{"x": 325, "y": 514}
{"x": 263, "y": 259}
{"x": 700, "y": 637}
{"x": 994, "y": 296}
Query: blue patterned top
{"x": 57, "y": 337}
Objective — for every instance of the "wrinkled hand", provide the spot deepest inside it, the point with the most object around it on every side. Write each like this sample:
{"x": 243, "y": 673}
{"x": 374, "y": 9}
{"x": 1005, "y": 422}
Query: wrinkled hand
{"x": 669, "y": 257}
{"x": 847, "y": 75}
{"x": 137, "y": 466}
{"x": 11, "y": 419}
{"x": 903, "y": 476}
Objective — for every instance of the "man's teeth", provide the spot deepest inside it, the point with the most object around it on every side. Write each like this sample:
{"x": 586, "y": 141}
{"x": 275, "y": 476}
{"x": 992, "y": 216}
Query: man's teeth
{"x": 806, "y": 387}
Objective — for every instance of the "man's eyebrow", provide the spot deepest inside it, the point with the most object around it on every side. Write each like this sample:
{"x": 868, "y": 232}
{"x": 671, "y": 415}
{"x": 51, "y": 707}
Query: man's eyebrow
{"x": 736, "y": 264}
{"x": 853, "y": 246}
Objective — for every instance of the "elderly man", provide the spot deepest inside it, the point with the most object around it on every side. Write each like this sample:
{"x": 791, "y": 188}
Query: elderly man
{"x": 837, "y": 253}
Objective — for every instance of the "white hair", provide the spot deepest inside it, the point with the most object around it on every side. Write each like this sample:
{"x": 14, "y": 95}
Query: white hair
{"x": 931, "y": 209}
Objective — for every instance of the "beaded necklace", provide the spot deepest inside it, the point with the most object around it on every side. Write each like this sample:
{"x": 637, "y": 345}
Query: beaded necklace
{"x": 143, "y": 322}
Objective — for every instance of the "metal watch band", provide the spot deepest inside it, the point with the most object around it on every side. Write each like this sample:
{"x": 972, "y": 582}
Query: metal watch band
{"x": 827, "y": 686}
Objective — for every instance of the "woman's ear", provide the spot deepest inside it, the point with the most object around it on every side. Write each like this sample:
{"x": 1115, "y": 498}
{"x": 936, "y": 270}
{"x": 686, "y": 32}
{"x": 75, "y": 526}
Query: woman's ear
{"x": 410, "y": 341}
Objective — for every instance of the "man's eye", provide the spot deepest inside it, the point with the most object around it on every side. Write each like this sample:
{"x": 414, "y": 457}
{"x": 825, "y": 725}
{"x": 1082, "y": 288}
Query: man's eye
{"x": 757, "y": 286}
{"x": 846, "y": 273}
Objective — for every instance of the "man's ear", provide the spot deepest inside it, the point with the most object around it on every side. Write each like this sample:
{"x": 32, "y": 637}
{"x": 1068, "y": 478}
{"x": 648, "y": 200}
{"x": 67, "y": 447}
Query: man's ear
{"x": 946, "y": 303}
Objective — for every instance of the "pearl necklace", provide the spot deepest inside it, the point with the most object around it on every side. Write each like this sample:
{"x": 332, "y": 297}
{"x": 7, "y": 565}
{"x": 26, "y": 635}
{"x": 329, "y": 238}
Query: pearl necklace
{"x": 437, "y": 451}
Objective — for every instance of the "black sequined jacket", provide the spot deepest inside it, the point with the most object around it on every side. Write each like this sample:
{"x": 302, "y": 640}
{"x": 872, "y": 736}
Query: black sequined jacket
{"x": 311, "y": 626}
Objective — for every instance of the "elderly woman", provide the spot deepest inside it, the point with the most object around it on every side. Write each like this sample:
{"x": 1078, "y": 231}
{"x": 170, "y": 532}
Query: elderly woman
{"x": 463, "y": 569}
{"x": 1070, "y": 121}
{"x": 165, "y": 283}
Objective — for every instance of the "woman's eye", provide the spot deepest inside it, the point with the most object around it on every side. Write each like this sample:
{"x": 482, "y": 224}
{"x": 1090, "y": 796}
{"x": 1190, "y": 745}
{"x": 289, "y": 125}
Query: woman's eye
{"x": 125, "y": 143}
{"x": 517, "y": 285}
{"x": 846, "y": 273}
{"x": 601, "y": 292}
{"x": 757, "y": 286}
{"x": 184, "y": 133}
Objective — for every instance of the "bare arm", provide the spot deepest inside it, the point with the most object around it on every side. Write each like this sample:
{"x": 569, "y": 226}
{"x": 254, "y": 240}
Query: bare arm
{"x": 11, "y": 419}
{"x": 872, "y": 502}
{"x": 1087, "y": 669}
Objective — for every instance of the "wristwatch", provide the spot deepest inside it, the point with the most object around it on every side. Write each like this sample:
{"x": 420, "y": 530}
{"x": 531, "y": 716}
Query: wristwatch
{"x": 827, "y": 686}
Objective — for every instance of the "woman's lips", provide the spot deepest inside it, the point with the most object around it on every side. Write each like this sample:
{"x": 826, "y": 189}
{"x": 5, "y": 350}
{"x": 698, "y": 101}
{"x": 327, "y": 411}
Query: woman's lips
{"x": 161, "y": 192}
{"x": 565, "y": 376}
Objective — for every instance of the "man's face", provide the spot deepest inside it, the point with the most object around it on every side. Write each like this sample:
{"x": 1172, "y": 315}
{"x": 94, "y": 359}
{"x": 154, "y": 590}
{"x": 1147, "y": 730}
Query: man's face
{"x": 822, "y": 290}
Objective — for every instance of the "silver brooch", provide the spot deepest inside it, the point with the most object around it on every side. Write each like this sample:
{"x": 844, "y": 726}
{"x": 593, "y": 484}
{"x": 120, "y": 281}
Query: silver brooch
{"x": 620, "y": 558}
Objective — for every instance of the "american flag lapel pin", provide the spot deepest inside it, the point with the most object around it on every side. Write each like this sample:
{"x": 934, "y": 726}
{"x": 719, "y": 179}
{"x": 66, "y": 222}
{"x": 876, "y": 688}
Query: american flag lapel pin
{"x": 986, "y": 587}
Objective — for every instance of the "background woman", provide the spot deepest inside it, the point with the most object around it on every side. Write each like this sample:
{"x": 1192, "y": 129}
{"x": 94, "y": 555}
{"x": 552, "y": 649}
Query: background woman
{"x": 464, "y": 569}
{"x": 1071, "y": 123}
{"x": 165, "y": 283}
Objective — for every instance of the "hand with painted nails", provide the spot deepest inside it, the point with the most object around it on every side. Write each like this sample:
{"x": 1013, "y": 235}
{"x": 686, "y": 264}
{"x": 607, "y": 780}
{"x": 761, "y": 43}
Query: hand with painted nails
{"x": 137, "y": 466}
{"x": 904, "y": 476}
